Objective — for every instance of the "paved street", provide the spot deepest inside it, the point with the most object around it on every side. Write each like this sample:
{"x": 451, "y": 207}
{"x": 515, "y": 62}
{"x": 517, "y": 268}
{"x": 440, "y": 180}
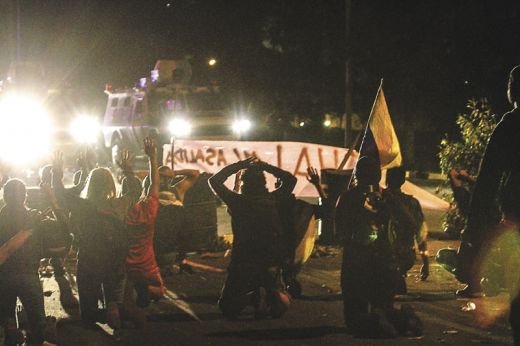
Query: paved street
{"x": 190, "y": 315}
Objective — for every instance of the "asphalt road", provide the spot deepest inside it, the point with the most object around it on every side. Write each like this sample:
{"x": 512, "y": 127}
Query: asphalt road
{"x": 190, "y": 316}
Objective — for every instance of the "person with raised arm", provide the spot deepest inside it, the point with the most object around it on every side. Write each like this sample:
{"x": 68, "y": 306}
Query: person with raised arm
{"x": 142, "y": 270}
{"x": 101, "y": 237}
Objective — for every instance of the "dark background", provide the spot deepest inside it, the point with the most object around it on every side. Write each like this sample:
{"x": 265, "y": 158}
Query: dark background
{"x": 284, "y": 59}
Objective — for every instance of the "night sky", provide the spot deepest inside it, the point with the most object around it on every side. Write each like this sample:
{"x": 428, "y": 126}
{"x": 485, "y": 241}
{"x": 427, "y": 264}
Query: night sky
{"x": 284, "y": 58}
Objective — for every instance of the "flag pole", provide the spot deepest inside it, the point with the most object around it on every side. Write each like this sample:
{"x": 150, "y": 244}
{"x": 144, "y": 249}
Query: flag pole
{"x": 349, "y": 152}
{"x": 375, "y": 101}
{"x": 366, "y": 127}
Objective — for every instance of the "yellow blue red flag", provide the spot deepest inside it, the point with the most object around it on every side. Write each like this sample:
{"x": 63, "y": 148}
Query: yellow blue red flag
{"x": 380, "y": 141}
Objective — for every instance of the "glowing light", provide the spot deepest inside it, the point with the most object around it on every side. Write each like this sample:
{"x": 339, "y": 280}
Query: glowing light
{"x": 327, "y": 123}
{"x": 212, "y": 62}
{"x": 241, "y": 126}
{"x": 302, "y": 123}
{"x": 85, "y": 129}
{"x": 179, "y": 127}
{"x": 26, "y": 130}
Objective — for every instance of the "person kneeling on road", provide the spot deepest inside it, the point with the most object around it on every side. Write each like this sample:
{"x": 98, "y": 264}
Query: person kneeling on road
{"x": 143, "y": 274}
{"x": 259, "y": 243}
{"x": 370, "y": 270}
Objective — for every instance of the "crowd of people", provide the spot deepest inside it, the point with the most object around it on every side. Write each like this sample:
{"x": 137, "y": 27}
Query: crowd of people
{"x": 121, "y": 238}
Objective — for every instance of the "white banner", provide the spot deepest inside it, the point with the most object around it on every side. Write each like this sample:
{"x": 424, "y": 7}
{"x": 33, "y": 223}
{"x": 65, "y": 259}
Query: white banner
{"x": 295, "y": 157}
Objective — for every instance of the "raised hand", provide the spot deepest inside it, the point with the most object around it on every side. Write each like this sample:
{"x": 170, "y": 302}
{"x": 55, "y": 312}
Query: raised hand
{"x": 150, "y": 148}
{"x": 312, "y": 176}
{"x": 247, "y": 162}
{"x": 126, "y": 163}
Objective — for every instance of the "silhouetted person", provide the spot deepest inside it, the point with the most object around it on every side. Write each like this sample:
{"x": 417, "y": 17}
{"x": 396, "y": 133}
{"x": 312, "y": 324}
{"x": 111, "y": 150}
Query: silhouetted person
{"x": 299, "y": 218}
{"x": 461, "y": 192}
{"x": 370, "y": 271}
{"x": 259, "y": 240}
{"x": 19, "y": 273}
{"x": 101, "y": 238}
{"x": 172, "y": 225}
{"x": 407, "y": 224}
{"x": 495, "y": 203}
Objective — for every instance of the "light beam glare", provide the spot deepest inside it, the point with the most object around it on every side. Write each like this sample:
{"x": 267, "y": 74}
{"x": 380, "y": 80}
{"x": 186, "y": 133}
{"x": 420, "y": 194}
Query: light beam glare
{"x": 26, "y": 130}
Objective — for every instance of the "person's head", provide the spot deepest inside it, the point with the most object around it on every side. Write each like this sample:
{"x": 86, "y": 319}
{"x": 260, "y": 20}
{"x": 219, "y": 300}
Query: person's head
{"x": 395, "y": 177}
{"x": 165, "y": 176}
{"x": 367, "y": 171}
{"x": 100, "y": 185}
{"x": 15, "y": 193}
{"x": 513, "y": 87}
{"x": 46, "y": 174}
{"x": 253, "y": 181}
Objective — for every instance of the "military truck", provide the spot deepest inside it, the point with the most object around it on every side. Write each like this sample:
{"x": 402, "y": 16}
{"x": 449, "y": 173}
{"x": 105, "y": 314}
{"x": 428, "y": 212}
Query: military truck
{"x": 163, "y": 105}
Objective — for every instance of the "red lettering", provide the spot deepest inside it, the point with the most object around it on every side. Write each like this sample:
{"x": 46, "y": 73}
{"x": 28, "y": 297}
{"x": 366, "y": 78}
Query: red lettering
{"x": 221, "y": 159}
{"x": 279, "y": 156}
{"x": 320, "y": 157}
{"x": 237, "y": 153}
{"x": 199, "y": 156}
{"x": 211, "y": 155}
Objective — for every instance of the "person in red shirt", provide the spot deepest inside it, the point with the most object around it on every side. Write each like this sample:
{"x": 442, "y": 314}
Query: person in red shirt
{"x": 143, "y": 273}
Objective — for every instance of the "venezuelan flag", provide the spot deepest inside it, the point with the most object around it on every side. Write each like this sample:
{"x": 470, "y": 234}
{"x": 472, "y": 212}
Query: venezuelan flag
{"x": 380, "y": 141}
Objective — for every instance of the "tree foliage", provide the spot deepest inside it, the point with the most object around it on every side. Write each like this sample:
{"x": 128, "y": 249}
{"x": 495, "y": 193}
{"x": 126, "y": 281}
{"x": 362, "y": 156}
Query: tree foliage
{"x": 466, "y": 152}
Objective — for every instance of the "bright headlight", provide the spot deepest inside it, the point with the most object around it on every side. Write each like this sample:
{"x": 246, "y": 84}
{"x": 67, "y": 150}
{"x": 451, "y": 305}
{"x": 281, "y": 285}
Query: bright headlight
{"x": 26, "y": 129}
{"x": 85, "y": 129}
{"x": 241, "y": 126}
{"x": 179, "y": 127}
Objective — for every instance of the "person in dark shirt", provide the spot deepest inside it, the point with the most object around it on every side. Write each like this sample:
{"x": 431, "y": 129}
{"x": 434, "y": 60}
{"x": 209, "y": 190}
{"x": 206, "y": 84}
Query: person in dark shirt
{"x": 370, "y": 271}
{"x": 259, "y": 243}
{"x": 408, "y": 226}
{"x": 495, "y": 203}
{"x": 19, "y": 273}
{"x": 299, "y": 218}
{"x": 102, "y": 238}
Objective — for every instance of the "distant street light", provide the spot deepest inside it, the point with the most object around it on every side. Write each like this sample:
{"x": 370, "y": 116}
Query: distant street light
{"x": 327, "y": 123}
{"x": 212, "y": 62}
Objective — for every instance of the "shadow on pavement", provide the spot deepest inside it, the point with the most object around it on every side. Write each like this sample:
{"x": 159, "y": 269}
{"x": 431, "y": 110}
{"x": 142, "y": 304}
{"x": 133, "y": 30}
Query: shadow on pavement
{"x": 76, "y": 333}
{"x": 210, "y": 300}
{"x": 322, "y": 298}
{"x": 179, "y": 317}
{"x": 282, "y": 333}
{"x": 427, "y": 297}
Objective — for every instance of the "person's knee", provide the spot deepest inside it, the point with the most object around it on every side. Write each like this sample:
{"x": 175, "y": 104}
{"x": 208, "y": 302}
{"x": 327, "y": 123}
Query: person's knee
{"x": 230, "y": 308}
{"x": 279, "y": 303}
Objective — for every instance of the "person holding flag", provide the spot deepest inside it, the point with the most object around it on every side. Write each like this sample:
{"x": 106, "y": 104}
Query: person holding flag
{"x": 370, "y": 270}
